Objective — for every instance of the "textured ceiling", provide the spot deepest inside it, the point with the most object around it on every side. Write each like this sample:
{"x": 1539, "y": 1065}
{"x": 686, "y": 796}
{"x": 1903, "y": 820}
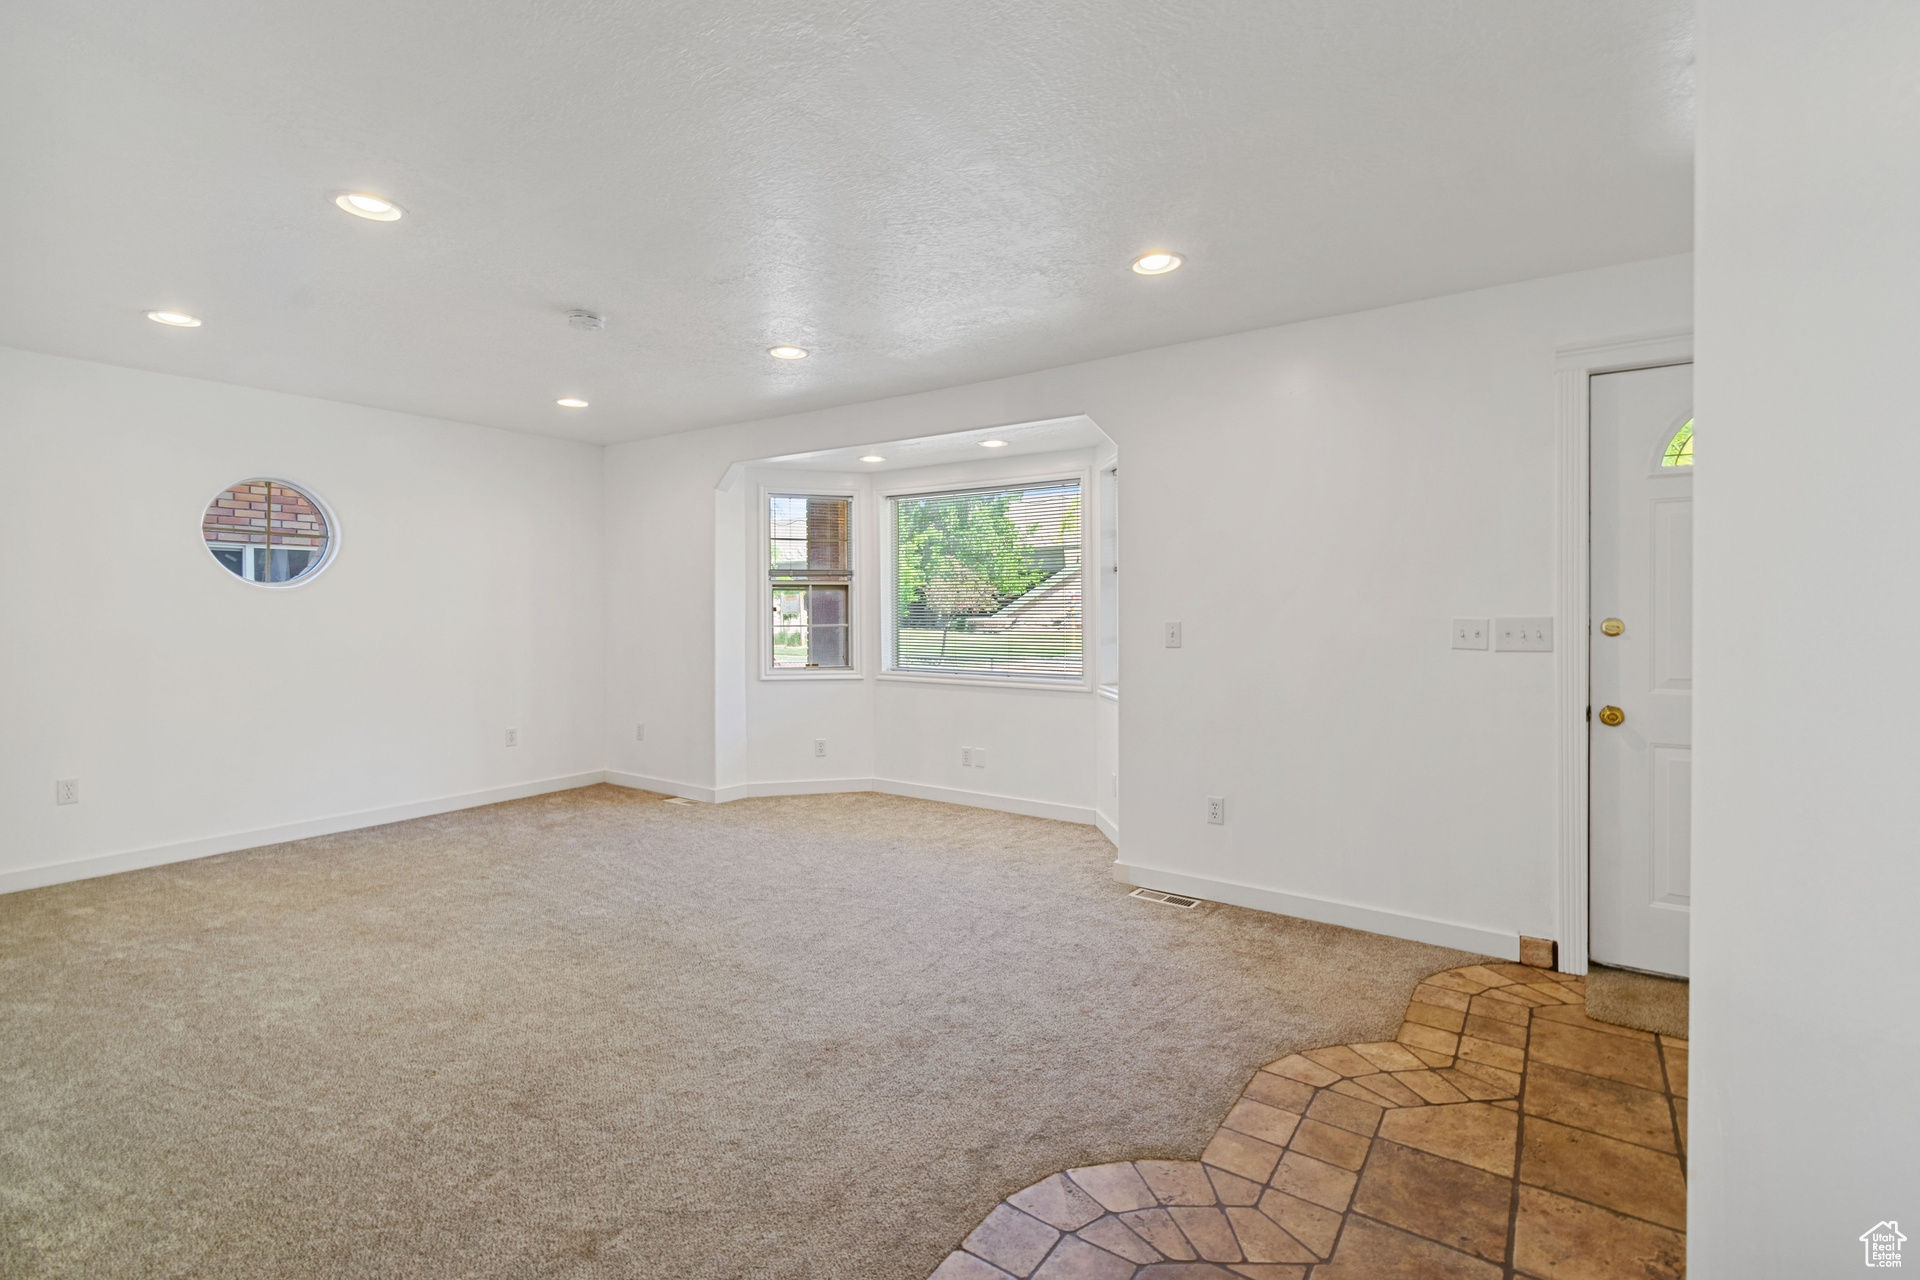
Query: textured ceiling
{"x": 923, "y": 194}
{"x": 1020, "y": 439}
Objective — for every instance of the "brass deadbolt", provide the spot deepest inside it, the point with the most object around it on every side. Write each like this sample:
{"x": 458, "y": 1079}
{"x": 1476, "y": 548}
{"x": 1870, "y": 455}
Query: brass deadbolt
{"x": 1612, "y": 716}
{"x": 1612, "y": 627}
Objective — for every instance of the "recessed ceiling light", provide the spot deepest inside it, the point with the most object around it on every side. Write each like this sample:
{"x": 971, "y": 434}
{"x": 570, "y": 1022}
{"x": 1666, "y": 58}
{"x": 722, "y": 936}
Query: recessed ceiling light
{"x": 993, "y": 444}
{"x": 1157, "y": 263}
{"x": 571, "y": 402}
{"x": 178, "y": 319}
{"x": 361, "y": 204}
{"x": 787, "y": 353}
{"x": 873, "y": 457}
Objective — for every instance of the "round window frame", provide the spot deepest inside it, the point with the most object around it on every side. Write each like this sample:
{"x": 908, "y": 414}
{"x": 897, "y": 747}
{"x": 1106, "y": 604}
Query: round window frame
{"x": 304, "y": 490}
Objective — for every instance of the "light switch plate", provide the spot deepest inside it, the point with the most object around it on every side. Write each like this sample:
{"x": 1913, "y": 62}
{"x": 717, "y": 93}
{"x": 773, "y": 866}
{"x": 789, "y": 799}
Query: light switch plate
{"x": 1523, "y": 635}
{"x": 1173, "y": 635}
{"x": 1469, "y": 633}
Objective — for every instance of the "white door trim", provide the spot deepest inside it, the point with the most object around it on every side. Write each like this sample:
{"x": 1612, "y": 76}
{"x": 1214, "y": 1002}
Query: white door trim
{"x": 1574, "y": 365}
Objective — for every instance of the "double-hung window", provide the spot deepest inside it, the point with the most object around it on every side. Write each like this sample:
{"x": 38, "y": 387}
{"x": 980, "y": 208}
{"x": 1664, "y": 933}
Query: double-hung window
{"x": 810, "y": 582}
{"x": 988, "y": 582}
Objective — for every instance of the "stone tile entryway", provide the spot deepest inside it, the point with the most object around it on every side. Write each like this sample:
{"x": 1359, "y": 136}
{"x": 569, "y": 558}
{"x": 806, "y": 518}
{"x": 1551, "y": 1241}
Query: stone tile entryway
{"x": 1503, "y": 1134}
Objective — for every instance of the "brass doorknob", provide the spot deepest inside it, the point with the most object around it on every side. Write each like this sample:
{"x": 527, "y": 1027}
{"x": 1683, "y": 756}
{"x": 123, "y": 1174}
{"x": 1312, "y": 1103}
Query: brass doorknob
{"x": 1612, "y": 716}
{"x": 1612, "y": 627}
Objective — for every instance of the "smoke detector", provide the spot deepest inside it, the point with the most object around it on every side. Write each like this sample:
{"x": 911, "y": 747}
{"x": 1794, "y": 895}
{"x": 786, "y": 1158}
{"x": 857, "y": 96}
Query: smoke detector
{"x": 586, "y": 320}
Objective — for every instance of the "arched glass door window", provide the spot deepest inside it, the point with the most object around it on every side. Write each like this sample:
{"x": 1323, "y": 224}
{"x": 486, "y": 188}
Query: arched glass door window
{"x": 1679, "y": 449}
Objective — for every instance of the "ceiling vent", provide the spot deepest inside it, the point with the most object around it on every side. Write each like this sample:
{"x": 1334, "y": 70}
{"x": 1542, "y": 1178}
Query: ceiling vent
{"x": 1171, "y": 899}
{"x": 586, "y": 320}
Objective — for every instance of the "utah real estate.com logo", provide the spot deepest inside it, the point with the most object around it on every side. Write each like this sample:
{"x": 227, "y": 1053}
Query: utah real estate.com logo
{"x": 1882, "y": 1243}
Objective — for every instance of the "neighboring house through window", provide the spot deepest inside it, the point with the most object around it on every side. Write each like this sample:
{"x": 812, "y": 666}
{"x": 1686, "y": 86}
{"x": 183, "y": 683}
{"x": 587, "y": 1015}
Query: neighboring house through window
{"x": 987, "y": 582}
{"x": 810, "y": 580}
{"x": 266, "y": 532}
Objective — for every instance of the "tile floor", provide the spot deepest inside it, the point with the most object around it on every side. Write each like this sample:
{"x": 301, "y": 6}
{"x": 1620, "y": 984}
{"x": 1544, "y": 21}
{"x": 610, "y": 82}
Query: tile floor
{"x": 1503, "y": 1134}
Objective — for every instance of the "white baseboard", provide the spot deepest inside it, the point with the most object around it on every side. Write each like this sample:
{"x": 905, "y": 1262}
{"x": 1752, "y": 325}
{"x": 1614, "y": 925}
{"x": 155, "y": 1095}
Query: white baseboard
{"x": 987, "y": 800}
{"x": 1395, "y": 924}
{"x": 1108, "y": 828}
{"x": 106, "y": 864}
{"x": 834, "y": 786}
{"x": 665, "y": 786}
{"x": 792, "y": 787}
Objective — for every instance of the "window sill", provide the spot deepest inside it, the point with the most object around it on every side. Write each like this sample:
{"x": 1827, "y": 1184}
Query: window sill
{"x": 1028, "y": 683}
{"x": 780, "y": 677}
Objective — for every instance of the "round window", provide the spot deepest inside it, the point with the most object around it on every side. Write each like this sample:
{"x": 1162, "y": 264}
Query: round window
{"x": 267, "y": 531}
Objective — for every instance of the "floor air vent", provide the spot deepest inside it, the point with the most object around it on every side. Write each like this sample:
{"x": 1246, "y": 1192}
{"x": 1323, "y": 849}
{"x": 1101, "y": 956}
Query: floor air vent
{"x": 1171, "y": 899}
{"x": 676, "y": 800}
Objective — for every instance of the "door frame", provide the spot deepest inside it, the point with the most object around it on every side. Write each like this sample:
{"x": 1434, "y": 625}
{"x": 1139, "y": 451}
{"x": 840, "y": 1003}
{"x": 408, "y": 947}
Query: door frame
{"x": 1573, "y": 367}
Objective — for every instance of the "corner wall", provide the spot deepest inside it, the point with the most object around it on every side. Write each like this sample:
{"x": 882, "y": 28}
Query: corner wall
{"x": 1315, "y": 503}
{"x": 1806, "y": 845}
{"x": 203, "y": 714}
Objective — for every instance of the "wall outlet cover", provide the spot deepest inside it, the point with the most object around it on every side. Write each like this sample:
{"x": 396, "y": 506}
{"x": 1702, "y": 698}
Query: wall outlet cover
{"x": 1217, "y": 810}
{"x": 1469, "y": 633}
{"x": 820, "y": 746}
{"x": 513, "y": 737}
{"x": 66, "y": 791}
{"x": 1523, "y": 635}
{"x": 640, "y": 733}
{"x": 966, "y": 757}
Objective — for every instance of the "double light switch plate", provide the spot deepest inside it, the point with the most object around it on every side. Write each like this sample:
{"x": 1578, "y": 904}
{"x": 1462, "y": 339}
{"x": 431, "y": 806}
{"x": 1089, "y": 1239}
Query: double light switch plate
{"x": 1509, "y": 635}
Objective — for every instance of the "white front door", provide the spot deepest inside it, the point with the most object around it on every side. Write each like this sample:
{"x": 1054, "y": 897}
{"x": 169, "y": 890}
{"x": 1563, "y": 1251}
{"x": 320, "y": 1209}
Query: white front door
{"x": 1640, "y": 730}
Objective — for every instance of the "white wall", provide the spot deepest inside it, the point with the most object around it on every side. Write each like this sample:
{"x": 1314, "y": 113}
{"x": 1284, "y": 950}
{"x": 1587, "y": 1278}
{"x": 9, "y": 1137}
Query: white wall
{"x": 1806, "y": 961}
{"x": 1315, "y": 502}
{"x": 202, "y": 713}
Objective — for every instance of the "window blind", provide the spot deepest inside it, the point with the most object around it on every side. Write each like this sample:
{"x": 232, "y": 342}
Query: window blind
{"x": 988, "y": 581}
{"x": 811, "y": 575}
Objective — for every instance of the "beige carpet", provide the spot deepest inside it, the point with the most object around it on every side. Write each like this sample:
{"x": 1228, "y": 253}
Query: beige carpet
{"x": 594, "y": 1034}
{"x": 1638, "y": 1000}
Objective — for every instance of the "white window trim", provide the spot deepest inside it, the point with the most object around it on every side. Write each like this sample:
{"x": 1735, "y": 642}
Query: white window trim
{"x": 251, "y": 549}
{"x": 763, "y": 629}
{"x": 1089, "y": 560}
{"x": 327, "y": 556}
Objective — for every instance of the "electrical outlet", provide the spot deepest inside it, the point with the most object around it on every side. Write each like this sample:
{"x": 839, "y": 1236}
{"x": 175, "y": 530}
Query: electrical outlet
{"x": 820, "y": 747}
{"x": 1469, "y": 633}
{"x": 66, "y": 791}
{"x": 1523, "y": 635}
{"x": 966, "y": 757}
{"x": 640, "y": 733}
{"x": 1173, "y": 635}
{"x": 979, "y": 757}
{"x": 1217, "y": 810}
